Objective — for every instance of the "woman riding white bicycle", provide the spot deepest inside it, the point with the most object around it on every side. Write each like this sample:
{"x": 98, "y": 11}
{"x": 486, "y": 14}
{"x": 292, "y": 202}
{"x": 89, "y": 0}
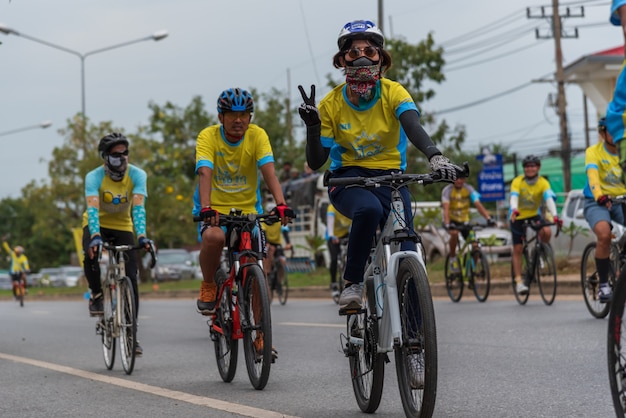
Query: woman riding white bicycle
{"x": 363, "y": 126}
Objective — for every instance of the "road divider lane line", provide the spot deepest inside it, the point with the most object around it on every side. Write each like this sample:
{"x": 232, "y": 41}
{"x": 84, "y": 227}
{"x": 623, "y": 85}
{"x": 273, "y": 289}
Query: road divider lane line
{"x": 212, "y": 403}
{"x": 311, "y": 324}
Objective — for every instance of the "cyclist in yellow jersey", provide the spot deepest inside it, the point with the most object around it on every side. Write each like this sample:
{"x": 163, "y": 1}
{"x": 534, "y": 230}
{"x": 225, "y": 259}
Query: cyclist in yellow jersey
{"x": 115, "y": 192}
{"x": 337, "y": 228}
{"x": 229, "y": 156}
{"x": 456, "y": 199}
{"x": 528, "y": 192}
{"x": 604, "y": 180}
{"x": 19, "y": 262}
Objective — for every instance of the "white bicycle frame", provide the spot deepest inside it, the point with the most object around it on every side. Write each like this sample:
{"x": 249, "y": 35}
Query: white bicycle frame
{"x": 388, "y": 312}
{"x": 117, "y": 267}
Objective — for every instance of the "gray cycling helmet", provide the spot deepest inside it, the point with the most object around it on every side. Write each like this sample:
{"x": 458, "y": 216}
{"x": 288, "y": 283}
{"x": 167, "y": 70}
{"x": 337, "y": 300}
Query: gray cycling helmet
{"x": 531, "y": 159}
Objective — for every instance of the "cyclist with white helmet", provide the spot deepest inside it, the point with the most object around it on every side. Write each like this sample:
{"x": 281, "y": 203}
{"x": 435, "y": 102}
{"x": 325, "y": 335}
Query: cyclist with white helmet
{"x": 229, "y": 156}
{"x": 363, "y": 126}
{"x": 116, "y": 192}
{"x": 528, "y": 192}
{"x": 604, "y": 180}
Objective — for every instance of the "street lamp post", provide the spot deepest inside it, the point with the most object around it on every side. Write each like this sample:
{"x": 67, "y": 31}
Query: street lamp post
{"x": 156, "y": 36}
{"x": 43, "y": 125}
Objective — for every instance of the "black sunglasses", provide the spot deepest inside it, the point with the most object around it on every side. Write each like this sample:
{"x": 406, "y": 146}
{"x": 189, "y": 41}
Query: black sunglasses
{"x": 119, "y": 154}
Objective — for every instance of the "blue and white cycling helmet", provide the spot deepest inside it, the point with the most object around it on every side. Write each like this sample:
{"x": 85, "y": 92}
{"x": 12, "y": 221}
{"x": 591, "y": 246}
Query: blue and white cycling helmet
{"x": 235, "y": 100}
{"x": 360, "y": 29}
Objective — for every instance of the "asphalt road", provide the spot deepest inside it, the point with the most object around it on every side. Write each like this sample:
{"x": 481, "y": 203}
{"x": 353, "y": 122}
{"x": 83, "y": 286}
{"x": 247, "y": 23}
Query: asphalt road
{"x": 496, "y": 359}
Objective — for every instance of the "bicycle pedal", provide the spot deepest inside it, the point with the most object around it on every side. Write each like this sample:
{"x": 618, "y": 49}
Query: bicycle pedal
{"x": 351, "y": 311}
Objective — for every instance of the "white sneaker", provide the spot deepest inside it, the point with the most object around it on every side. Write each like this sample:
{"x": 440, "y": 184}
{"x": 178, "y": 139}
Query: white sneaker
{"x": 521, "y": 288}
{"x": 416, "y": 370}
{"x": 605, "y": 293}
{"x": 350, "y": 298}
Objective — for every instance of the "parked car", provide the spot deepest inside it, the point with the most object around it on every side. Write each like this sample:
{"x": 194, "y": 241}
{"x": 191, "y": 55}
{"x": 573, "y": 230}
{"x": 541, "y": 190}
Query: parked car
{"x": 70, "y": 275}
{"x": 5, "y": 280}
{"x": 173, "y": 264}
{"x": 47, "y": 276}
{"x": 572, "y": 214}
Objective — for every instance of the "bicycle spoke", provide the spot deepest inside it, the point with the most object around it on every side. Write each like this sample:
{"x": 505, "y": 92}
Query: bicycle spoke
{"x": 128, "y": 324}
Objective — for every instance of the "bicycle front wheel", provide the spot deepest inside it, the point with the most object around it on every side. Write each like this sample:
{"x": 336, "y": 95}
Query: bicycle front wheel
{"x": 616, "y": 347}
{"x": 282, "y": 283}
{"x": 480, "y": 276}
{"x": 416, "y": 360}
{"x": 20, "y": 290}
{"x": 590, "y": 281}
{"x": 546, "y": 273}
{"x": 454, "y": 282}
{"x": 106, "y": 327}
{"x": 367, "y": 365}
{"x": 256, "y": 324}
{"x": 226, "y": 347}
{"x": 128, "y": 324}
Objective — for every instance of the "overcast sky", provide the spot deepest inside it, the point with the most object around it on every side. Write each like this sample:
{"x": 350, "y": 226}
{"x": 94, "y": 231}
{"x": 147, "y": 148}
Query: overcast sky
{"x": 254, "y": 44}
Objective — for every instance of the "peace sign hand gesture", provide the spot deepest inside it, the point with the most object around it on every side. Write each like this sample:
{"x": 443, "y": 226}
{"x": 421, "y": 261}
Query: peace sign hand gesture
{"x": 308, "y": 111}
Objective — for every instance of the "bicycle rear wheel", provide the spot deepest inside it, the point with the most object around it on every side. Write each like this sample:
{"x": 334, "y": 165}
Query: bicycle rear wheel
{"x": 616, "y": 347}
{"x": 20, "y": 290}
{"x": 226, "y": 347}
{"x": 416, "y": 360}
{"x": 367, "y": 366}
{"x": 521, "y": 298}
{"x": 546, "y": 273}
{"x": 282, "y": 283}
{"x": 128, "y": 324}
{"x": 106, "y": 327}
{"x": 590, "y": 281}
{"x": 256, "y": 324}
{"x": 454, "y": 282}
{"x": 480, "y": 276}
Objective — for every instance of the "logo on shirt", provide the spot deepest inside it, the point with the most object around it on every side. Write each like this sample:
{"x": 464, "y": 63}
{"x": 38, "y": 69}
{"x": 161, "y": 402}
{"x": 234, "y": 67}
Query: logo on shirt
{"x": 367, "y": 146}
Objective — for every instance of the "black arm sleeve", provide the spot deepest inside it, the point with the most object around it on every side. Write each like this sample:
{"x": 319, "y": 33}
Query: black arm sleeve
{"x": 316, "y": 154}
{"x": 410, "y": 121}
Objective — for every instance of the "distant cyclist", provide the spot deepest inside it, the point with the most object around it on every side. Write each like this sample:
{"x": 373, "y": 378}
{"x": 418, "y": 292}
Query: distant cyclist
{"x": 337, "y": 229}
{"x": 19, "y": 267}
{"x": 604, "y": 180}
{"x": 528, "y": 192}
{"x": 456, "y": 199}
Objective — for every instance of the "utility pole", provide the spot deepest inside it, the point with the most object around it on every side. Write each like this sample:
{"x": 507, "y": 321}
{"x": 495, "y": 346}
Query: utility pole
{"x": 558, "y": 34}
{"x": 380, "y": 15}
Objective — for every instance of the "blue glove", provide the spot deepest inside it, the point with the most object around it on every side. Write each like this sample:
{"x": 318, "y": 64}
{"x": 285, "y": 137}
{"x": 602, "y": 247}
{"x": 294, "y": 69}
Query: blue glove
{"x": 144, "y": 241}
{"x": 95, "y": 241}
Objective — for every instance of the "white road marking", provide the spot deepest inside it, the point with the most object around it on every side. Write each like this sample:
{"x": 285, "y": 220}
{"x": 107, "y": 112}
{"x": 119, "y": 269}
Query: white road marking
{"x": 311, "y": 324}
{"x": 211, "y": 403}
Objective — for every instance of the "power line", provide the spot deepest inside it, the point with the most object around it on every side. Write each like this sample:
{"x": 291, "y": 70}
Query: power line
{"x": 492, "y": 58}
{"x": 483, "y": 100}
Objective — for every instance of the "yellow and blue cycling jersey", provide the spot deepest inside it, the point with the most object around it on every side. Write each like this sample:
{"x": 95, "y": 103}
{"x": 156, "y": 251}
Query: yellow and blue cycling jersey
{"x": 616, "y": 110}
{"x": 530, "y": 196}
{"x": 368, "y": 136}
{"x": 19, "y": 263}
{"x": 115, "y": 198}
{"x": 604, "y": 174}
{"x": 340, "y": 225}
{"x": 460, "y": 201}
{"x": 235, "y": 182}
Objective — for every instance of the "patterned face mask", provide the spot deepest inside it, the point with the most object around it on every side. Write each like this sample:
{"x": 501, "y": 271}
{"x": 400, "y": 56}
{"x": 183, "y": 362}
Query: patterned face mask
{"x": 116, "y": 166}
{"x": 362, "y": 80}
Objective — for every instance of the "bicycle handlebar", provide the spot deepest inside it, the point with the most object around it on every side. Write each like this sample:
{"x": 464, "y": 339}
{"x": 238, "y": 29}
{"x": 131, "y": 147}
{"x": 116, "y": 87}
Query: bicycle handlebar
{"x": 126, "y": 247}
{"x": 395, "y": 178}
{"x": 537, "y": 225}
{"x": 250, "y": 217}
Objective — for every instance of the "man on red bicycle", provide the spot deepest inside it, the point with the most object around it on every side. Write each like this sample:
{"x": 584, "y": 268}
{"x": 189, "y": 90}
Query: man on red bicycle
{"x": 229, "y": 156}
{"x": 528, "y": 192}
{"x": 19, "y": 263}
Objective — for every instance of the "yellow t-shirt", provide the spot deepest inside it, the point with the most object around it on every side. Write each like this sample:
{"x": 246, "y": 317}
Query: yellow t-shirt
{"x": 369, "y": 136}
{"x": 273, "y": 233}
{"x": 341, "y": 225}
{"x": 235, "y": 182}
{"x": 530, "y": 196}
{"x": 604, "y": 174}
{"x": 460, "y": 201}
{"x": 19, "y": 263}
